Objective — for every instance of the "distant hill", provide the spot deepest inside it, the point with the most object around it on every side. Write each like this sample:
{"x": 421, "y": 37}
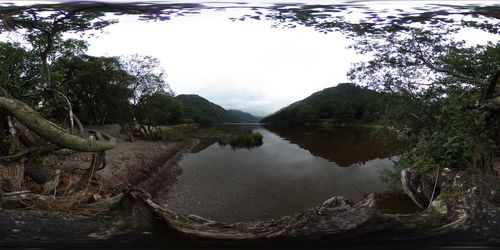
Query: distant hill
{"x": 345, "y": 102}
{"x": 243, "y": 117}
{"x": 199, "y": 110}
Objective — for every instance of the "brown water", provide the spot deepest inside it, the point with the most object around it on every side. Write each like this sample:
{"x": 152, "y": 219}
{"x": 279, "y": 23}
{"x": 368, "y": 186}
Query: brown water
{"x": 293, "y": 170}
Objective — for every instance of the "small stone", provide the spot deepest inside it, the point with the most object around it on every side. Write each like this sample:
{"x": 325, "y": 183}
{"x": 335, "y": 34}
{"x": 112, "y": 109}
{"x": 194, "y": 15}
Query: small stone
{"x": 147, "y": 233}
{"x": 15, "y": 230}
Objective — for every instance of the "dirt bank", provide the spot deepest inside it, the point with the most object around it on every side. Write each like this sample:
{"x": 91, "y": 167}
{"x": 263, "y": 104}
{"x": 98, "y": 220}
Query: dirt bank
{"x": 131, "y": 162}
{"x": 143, "y": 165}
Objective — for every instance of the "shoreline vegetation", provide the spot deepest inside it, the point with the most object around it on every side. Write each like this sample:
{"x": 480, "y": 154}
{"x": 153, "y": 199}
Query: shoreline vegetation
{"x": 236, "y": 138}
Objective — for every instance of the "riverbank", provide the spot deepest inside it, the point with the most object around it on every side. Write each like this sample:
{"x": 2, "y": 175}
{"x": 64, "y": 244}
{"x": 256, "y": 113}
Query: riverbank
{"x": 131, "y": 163}
{"x": 137, "y": 218}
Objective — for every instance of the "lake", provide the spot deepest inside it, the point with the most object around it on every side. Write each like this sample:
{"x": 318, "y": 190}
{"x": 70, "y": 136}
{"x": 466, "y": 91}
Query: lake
{"x": 294, "y": 169}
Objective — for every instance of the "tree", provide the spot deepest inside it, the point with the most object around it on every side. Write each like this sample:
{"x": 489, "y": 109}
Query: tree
{"x": 18, "y": 72}
{"x": 149, "y": 76}
{"x": 43, "y": 29}
{"x": 159, "y": 108}
{"x": 148, "y": 79}
{"x": 446, "y": 105}
{"x": 90, "y": 80}
{"x": 447, "y": 111}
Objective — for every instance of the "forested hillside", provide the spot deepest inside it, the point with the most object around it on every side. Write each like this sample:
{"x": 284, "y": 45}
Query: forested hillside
{"x": 243, "y": 117}
{"x": 345, "y": 102}
{"x": 199, "y": 110}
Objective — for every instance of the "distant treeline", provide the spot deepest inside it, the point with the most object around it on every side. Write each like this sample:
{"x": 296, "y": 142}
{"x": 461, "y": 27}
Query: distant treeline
{"x": 345, "y": 102}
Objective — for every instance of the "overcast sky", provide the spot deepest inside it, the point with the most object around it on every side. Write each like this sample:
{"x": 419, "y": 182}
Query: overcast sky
{"x": 247, "y": 65}
{"x": 239, "y": 65}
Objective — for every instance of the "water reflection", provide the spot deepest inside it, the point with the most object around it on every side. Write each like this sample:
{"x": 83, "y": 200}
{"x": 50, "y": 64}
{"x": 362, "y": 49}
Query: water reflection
{"x": 344, "y": 145}
{"x": 275, "y": 179}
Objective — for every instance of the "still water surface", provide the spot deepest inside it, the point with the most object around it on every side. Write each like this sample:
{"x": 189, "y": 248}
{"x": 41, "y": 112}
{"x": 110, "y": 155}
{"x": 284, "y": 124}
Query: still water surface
{"x": 293, "y": 170}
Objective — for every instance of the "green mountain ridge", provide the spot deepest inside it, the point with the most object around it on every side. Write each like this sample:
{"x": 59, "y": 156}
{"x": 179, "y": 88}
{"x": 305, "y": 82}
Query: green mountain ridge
{"x": 244, "y": 117}
{"x": 200, "y": 110}
{"x": 345, "y": 102}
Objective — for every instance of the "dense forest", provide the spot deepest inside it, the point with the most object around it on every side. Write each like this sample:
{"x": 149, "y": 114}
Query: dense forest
{"x": 140, "y": 92}
{"x": 343, "y": 103}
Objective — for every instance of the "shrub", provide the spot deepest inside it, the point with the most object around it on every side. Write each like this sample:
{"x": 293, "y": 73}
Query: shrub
{"x": 243, "y": 139}
{"x": 173, "y": 134}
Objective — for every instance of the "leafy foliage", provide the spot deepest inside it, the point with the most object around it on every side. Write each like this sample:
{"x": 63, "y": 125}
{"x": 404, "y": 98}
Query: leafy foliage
{"x": 90, "y": 80}
{"x": 19, "y": 72}
{"x": 148, "y": 76}
{"x": 445, "y": 88}
{"x": 159, "y": 108}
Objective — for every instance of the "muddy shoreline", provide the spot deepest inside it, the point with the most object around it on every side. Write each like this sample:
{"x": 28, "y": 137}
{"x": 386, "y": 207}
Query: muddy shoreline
{"x": 165, "y": 171}
{"x": 139, "y": 165}
{"x": 132, "y": 163}
{"x": 137, "y": 221}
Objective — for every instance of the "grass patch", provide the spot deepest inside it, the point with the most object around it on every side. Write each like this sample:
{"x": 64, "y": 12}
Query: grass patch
{"x": 172, "y": 135}
{"x": 243, "y": 139}
{"x": 178, "y": 133}
{"x": 237, "y": 138}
